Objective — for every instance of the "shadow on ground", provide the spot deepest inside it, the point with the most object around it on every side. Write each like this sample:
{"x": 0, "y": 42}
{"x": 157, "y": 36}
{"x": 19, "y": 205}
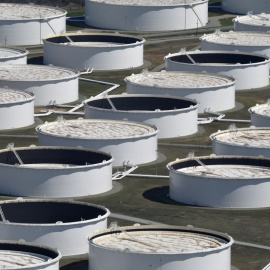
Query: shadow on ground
{"x": 80, "y": 265}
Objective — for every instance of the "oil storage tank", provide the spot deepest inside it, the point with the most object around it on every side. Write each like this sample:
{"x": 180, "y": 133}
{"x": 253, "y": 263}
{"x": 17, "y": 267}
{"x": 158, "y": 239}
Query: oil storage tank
{"x": 174, "y": 117}
{"x": 156, "y": 247}
{"x": 143, "y": 15}
{"x": 206, "y": 89}
{"x": 97, "y": 51}
{"x": 251, "y": 42}
{"x": 47, "y": 83}
{"x": 27, "y": 24}
{"x": 260, "y": 115}
{"x": 244, "y": 6}
{"x": 21, "y": 255}
{"x": 250, "y": 22}
{"x": 221, "y": 181}
{"x": 62, "y": 225}
{"x": 11, "y": 56}
{"x": 250, "y": 70}
{"x": 242, "y": 142}
{"x": 16, "y": 108}
{"x": 54, "y": 172}
{"x": 127, "y": 141}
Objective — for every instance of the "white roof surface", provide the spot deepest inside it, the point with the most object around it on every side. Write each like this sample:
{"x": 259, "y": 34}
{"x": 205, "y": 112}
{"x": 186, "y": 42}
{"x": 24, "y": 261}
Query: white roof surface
{"x": 28, "y": 12}
{"x": 17, "y": 259}
{"x": 228, "y": 171}
{"x": 239, "y": 38}
{"x": 96, "y": 129}
{"x": 256, "y": 19}
{"x": 10, "y": 95}
{"x": 179, "y": 79}
{"x": 149, "y": 2}
{"x": 35, "y": 73}
{"x": 262, "y": 109}
{"x": 252, "y": 137}
{"x": 164, "y": 242}
{"x": 11, "y": 52}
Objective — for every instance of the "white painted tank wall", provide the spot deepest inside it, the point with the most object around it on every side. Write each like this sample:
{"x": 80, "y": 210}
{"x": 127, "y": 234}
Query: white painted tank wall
{"x": 219, "y": 191}
{"x": 208, "y": 45}
{"x": 244, "y": 6}
{"x": 52, "y": 182}
{"x": 30, "y": 31}
{"x": 247, "y": 76}
{"x": 208, "y": 97}
{"x": 259, "y": 120}
{"x": 13, "y": 56}
{"x": 64, "y": 90}
{"x": 242, "y": 26}
{"x": 170, "y": 123}
{"x": 146, "y": 18}
{"x": 17, "y": 114}
{"x": 68, "y": 238}
{"x": 137, "y": 150}
{"x": 120, "y": 56}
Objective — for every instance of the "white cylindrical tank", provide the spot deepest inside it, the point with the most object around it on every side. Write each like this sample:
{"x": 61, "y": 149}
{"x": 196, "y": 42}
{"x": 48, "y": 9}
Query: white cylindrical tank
{"x": 47, "y": 83}
{"x": 22, "y": 24}
{"x": 174, "y": 117}
{"x": 260, "y": 115}
{"x": 18, "y": 255}
{"x": 206, "y": 89}
{"x": 244, "y": 6}
{"x": 146, "y": 15}
{"x": 63, "y": 225}
{"x": 97, "y": 51}
{"x": 250, "y": 22}
{"x": 16, "y": 108}
{"x": 128, "y": 142}
{"x": 11, "y": 56}
{"x": 159, "y": 247}
{"x": 54, "y": 172}
{"x": 248, "y": 69}
{"x": 242, "y": 142}
{"x": 221, "y": 181}
{"x": 251, "y": 42}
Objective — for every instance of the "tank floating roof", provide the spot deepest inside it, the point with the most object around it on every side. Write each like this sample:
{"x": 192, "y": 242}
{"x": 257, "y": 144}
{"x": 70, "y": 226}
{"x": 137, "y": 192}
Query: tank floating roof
{"x": 160, "y": 240}
{"x": 262, "y": 109}
{"x": 8, "y": 96}
{"x": 258, "y": 19}
{"x": 238, "y": 38}
{"x": 247, "y": 137}
{"x": 96, "y": 129}
{"x": 17, "y": 255}
{"x": 230, "y": 167}
{"x": 9, "y": 52}
{"x": 179, "y": 79}
{"x": 150, "y": 2}
{"x": 28, "y": 12}
{"x": 36, "y": 73}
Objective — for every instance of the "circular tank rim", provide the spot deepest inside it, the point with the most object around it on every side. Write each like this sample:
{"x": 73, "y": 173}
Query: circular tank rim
{"x": 150, "y": 134}
{"x": 138, "y": 41}
{"x": 213, "y": 137}
{"x": 252, "y": 111}
{"x": 177, "y": 161}
{"x": 34, "y": 245}
{"x": 20, "y": 199}
{"x": 208, "y": 38}
{"x": 152, "y": 6}
{"x": 109, "y": 161}
{"x": 64, "y": 12}
{"x": 22, "y": 52}
{"x": 186, "y": 109}
{"x": 241, "y": 20}
{"x": 233, "y": 81}
{"x": 266, "y": 58}
{"x": 219, "y": 235}
{"x": 31, "y": 98}
{"x": 74, "y": 73}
